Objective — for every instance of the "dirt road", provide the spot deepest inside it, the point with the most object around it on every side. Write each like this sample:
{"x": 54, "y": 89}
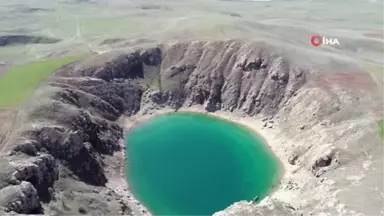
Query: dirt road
{"x": 7, "y": 117}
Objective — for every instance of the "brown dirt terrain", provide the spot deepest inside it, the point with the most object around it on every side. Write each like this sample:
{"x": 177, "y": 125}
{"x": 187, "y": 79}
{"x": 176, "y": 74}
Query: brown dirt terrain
{"x": 375, "y": 34}
{"x": 6, "y": 115}
{"x": 6, "y": 121}
{"x": 347, "y": 80}
{"x": 376, "y": 73}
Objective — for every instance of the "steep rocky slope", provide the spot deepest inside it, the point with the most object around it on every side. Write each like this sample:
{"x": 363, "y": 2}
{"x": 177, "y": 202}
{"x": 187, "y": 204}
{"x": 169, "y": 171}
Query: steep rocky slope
{"x": 59, "y": 153}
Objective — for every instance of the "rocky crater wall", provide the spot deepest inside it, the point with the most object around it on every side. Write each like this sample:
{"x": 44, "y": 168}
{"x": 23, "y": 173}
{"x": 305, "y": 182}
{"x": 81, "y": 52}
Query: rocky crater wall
{"x": 57, "y": 158}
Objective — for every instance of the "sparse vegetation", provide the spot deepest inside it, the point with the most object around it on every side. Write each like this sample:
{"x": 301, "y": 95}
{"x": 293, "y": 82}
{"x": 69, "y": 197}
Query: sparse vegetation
{"x": 20, "y": 81}
{"x": 381, "y": 125}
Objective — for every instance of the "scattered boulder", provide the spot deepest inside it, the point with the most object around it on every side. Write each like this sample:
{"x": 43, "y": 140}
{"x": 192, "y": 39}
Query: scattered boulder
{"x": 324, "y": 161}
{"x": 82, "y": 211}
{"x": 22, "y": 199}
{"x": 293, "y": 158}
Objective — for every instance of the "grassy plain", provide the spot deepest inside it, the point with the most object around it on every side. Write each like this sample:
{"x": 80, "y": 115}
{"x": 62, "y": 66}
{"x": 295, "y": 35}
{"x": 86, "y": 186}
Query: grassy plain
{"x": 19, "y": 82}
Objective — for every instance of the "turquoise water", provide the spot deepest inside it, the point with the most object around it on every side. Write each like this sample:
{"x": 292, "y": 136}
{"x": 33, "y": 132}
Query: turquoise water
{"x": 192, "y": 164}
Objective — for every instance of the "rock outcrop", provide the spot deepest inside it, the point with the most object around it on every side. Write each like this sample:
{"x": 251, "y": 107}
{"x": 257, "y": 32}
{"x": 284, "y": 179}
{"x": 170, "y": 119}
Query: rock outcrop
{"x": 22, "y": 198}
{"x": 9, "y": 40}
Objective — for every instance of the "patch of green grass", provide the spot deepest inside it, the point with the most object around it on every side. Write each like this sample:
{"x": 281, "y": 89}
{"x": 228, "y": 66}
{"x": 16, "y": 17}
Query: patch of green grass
{"x": 20, "y": 82}
{"x": 381, "y": 125}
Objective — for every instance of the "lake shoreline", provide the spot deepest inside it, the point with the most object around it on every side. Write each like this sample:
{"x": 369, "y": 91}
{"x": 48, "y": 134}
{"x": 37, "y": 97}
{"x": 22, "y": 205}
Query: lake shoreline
{"x": 253, "y": 125}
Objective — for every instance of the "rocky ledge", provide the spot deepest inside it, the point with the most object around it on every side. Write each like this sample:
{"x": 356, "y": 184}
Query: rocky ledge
{"x": 10, "y": 40}
{"x": 60, "y": 149}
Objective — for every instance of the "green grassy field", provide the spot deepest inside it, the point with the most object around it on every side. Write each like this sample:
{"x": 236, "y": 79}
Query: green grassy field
{"x": 381, "y": 125}
{"x": 19, "y": 82}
